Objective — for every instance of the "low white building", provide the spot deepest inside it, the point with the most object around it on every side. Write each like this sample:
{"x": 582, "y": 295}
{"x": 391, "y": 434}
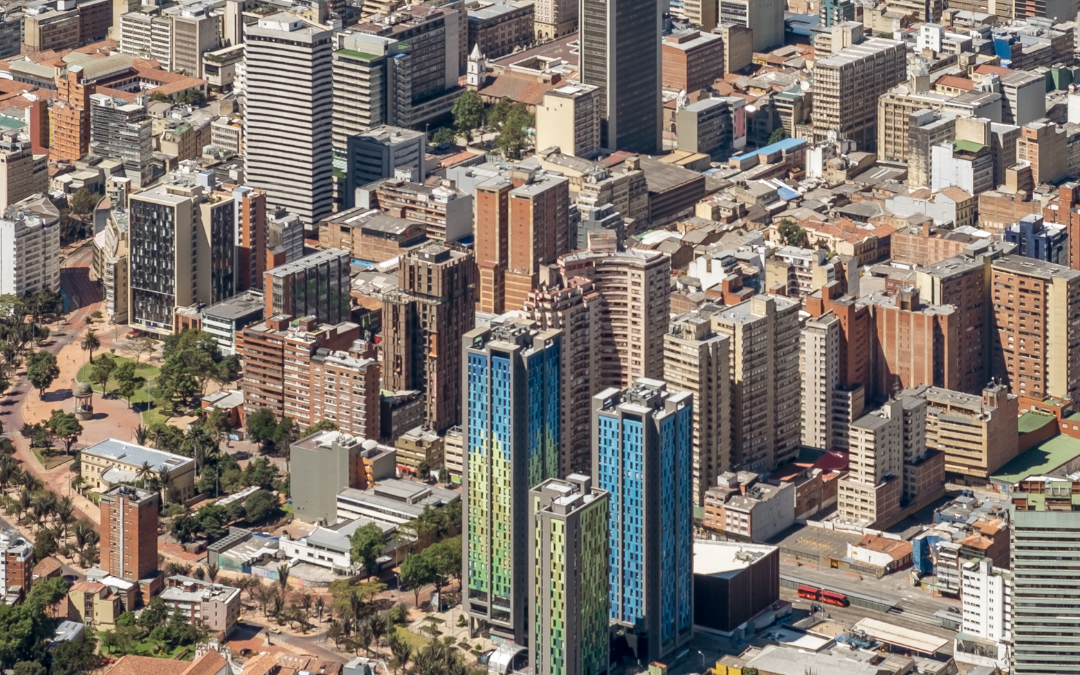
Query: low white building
{"x": 329, "y": 546}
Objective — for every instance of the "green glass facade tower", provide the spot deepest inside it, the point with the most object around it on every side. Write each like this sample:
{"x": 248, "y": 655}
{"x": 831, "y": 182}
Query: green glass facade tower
{"x": 569, "y": 569}
{"x": 511, "y": 430}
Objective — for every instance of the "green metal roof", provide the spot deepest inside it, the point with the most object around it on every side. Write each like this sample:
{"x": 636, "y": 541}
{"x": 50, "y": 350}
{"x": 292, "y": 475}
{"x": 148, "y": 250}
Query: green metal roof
{"x": 357, "y": 55}
{"x": 1041, "y": 459}
{"x": 968, "y": 146}
{"x": 1033, "y": 421}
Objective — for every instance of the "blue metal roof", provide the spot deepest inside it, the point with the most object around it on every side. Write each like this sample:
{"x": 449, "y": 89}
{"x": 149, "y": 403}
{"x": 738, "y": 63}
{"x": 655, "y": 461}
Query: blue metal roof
{"x": 785, "y": 145}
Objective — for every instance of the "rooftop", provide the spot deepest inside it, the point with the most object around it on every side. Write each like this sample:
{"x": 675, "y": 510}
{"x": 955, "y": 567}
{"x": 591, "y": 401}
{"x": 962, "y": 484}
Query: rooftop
{"x": 1044, "y": 458}
{"x": 307, "y": 261}
{"x": 726, "y": 558}
{"x": 237, "y": 307}
{"x": 123, "y": 452}
{"x": 1035, "y": 268}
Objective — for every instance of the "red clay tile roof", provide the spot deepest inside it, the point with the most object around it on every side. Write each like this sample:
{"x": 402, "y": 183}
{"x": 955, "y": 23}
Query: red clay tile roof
{"x": 955, "y": 82}
{"x": 147, "y": 665}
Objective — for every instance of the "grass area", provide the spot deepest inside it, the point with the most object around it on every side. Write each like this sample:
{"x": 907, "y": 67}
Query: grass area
{"x": 143, "y": 370}
{"x": 148, "y": 647}
{"x": 153, "y": 415}
{"x": 54, "y": 460}
{"x": 417, "y": 642}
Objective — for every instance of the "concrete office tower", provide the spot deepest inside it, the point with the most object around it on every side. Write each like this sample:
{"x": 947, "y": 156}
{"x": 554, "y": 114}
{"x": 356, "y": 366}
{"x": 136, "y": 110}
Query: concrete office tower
{"x": 383, "y": 152}
{"x": 17, "y": 564}
{"x": 286, "y": 230}
{"x": 316, "y": 285}
{"x": 698, "y": 360}
{"x": 522, "y": 223}
{"x": 926, "y": 128}
{"x": 119, "y": 9}
{"x": 738, "y": 46}
{"x": 196, "y": 29}
{"x": 693, "y": 59}
{"x": 569, "y": 119}
{"x": 1033, "y": 349}
{"x": 568, "y": 563}
{"x": 764, "y": 342}
{"x": 29, "y": 253}
{"x": 574, "y": 308}
{"x": 511, "y": 427}
{"x": 322, "y": 465}
{"x": 554, "y": 18}
{"x": 847, "y": 86}
{"x": 1045, "y": 537}
{"x": 22, "y": 173}
{"x": 634, "y": 314}
{"x": 963, "y": 164}
{"x": 620, "y": 54}
{"x": 251, "y": 244}
{"x": 1022, "y": 103}
{"x": 360, "y": 73}
{"x": 641, "y": 456}
{"x": 148, "y": 34}
{"x": 819, "y": 363}
{"x": 175, "y": 230}
{"x": 288, "y": 114}
{"x": 423, "y": 322}
{"x": 122, "y": 130}
{"x": 129, "y": 519}
{"x": 69, "y": 116}
{"x": 764, "y": 17}
{"x": 977, "y": 432}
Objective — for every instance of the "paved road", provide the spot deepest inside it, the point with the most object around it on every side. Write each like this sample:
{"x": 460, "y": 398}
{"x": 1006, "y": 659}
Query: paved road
{"x": 313, "y": 644}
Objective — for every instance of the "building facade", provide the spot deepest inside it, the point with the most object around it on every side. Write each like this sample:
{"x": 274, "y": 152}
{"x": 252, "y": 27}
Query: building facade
{"x": 129, "y": 533}
{"x": 641, "y": 455}
{"x": 511, "y": 428}
{"x": 568, "y": 563}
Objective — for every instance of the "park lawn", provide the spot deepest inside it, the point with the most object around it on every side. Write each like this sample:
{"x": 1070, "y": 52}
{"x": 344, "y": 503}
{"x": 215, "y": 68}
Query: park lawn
{"x": 55, "y": 460}
{"x": 153, "y": 415}
{"x": 417, "y": 642}
{"x": 143, "y": 370}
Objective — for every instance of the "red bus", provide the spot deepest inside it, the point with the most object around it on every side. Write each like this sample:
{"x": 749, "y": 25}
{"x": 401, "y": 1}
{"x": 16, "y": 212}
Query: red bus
{"x": 834, "y": 598}
{"x": 809, "y": 592}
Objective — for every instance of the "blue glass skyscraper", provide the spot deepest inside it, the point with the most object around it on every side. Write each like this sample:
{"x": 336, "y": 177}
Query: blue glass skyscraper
{"x": 641, "y": 455}
{"x": 511, "y": 431}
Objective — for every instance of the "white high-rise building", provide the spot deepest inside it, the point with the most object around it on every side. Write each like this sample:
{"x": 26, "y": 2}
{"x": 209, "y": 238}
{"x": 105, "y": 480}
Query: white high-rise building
{"x": 987, "y": 597}
{"x": 29, "y": 253}
{"x": 820, "y": 364}
{"x": 288, "y": 127}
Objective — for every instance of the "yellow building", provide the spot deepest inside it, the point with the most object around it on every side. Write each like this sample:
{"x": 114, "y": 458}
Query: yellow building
{"x": 113, "y": 462}
{"x": 419, "y": 445}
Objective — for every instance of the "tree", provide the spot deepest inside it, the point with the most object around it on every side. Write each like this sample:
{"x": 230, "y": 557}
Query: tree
{"x": 83, "y": 202}
{"x": 90, "y": 342}
{"x": 319, "y": 427}
{"x": 444, "y": 475}
{"x": 64, "y": 427}
{"x": 76, "y": 656}
{"x": 259, "y": 505}
{"x": 263, "y": 427}
{"x": 417, "y": 570}
{"x": 423, "y": 470}
{"x": 102, "y": 372}
{"x": 468, "y": 112}
{"x": 155, "y": 614}
{"x": 44, "y": 544}
{"x": 400, "y": 649}
{"x": 185, "y": 528}
{"x": 791, "y": 234}
{"x": 443, "y": 136}
{"x": 368, "y": 544}
{"x": 41, "y": 370}
{"x": 142, "y": 346}
{"x": 283, "y": 577}
{"x": 778, "y": 135}
{"x": 29, "y": 668}
{"x": 212, "y": 572}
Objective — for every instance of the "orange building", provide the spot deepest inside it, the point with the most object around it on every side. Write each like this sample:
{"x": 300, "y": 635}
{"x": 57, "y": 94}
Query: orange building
{"x": 692, "y": 60}
{"x": 915, "y": 343}
{"x": 69, "y": 118}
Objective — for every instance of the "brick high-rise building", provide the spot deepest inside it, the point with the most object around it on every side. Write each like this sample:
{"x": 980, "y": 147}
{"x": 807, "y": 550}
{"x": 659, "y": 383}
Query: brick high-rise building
{"x": 331, "y": 376}
{"x": 635, "y": 312}
{"x": 914, "y": 343}
{"x": 692, "y": 59}
{"x": 847, "y": 85}
{"x": 523, "y": 222}
{"x": 22, "y": 173}
{"x": 574, "y": 307}
{"x": 251, "y": 243}
{"x": 1036, "y": 307}
{"x": 69, "y": 129}
{"x": 129, "y": 522}
{"x": 856, "y": 332}
{"x": 17, "y": 562}
{"x": 423, "y": 323}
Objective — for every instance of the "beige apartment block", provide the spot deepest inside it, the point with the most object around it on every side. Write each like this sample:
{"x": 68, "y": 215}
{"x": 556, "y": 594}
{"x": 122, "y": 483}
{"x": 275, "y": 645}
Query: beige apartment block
{"x": 819, "y": 363}
{"x": 114, "y": 462}
{"x": 22, "y": 173}
{"x": 697, "y": 360}
{"x": 764, "y": 344}
{"x": 569, "y": 119}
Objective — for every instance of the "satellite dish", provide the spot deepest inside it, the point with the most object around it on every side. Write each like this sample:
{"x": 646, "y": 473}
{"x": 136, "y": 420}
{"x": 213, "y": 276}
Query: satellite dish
{"x": 804, "y": 85}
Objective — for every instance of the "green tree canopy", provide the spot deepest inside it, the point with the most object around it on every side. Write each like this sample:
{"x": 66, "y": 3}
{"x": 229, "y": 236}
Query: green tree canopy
{"x": 64, "y": 427}
{"x": 368, "y": 543}
{"x": 41, "y": 370}
{"x": 259, "y": 505}
{"x": 468, "y": 112}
